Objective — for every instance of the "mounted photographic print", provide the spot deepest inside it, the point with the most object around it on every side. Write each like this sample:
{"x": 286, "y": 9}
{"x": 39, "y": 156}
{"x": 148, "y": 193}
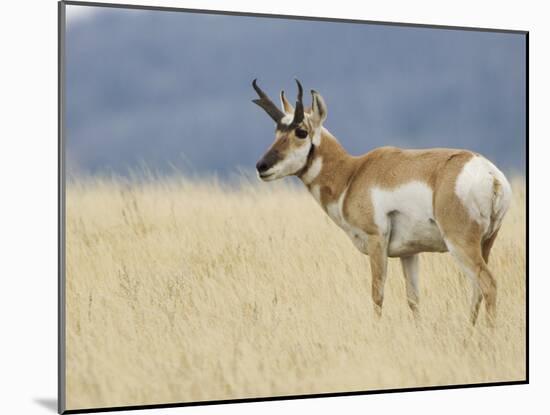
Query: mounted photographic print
{"x": 259, "y": 207}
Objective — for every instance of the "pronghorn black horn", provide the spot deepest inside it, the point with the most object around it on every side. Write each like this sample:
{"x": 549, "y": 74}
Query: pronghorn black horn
{"x": 299, "y": 111}
{"x": 272, "y": 110}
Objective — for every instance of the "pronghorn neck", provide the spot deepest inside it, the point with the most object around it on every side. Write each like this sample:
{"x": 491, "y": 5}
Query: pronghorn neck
{"x": 328, "y": 169}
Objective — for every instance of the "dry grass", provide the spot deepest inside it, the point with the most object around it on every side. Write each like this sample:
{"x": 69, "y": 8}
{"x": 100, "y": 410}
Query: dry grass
{"x": 184, "y": 291}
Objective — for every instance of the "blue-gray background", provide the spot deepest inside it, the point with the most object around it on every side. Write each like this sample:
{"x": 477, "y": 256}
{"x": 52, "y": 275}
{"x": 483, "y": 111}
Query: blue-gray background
{"x": 166, "y": 89}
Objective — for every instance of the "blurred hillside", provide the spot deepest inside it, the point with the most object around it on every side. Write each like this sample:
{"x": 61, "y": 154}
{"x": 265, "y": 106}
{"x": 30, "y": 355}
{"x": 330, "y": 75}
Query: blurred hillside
{"x": 168, "y": 88}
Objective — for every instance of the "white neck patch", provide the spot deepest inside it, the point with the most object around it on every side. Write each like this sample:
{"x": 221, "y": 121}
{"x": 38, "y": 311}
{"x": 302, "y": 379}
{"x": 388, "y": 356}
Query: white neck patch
{"x": 313, "y": 170}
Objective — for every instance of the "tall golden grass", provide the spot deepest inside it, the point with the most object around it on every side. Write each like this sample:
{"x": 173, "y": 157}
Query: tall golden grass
{"x": 183, "y": 290}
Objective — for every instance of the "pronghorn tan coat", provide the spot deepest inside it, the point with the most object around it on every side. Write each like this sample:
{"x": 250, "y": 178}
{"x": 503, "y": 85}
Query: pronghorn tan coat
{"x": 398, "y": 203}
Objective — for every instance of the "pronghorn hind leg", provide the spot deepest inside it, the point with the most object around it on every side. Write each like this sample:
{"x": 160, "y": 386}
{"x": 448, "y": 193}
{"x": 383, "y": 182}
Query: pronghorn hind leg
{"x": 377, "y": 248}
{"x": 410, "y": 272}
{"x": 489, "y": 291}
{"x": 477, "y": 296}
{"x": 463, "y": 236}
{"x": 470, "y": 259}
{"x": 486, "y": 246}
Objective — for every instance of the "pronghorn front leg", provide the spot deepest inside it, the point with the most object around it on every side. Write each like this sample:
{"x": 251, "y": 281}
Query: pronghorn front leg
{"x": 377, "y": 248}
{"x": 410, "y": 272}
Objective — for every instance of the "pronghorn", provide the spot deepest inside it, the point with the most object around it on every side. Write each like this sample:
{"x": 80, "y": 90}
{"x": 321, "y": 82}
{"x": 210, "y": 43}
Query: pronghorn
{"x": 393, "y": 202}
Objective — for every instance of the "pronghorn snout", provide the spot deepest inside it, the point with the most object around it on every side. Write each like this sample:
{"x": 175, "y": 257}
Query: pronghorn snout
{"x": 267, "y": 162}
{"x": 261, "y": 166}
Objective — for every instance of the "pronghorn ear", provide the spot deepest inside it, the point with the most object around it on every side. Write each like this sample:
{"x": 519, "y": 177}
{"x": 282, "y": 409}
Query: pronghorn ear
{"x": 285, "y": 105}
{"x": 318, "y": 108}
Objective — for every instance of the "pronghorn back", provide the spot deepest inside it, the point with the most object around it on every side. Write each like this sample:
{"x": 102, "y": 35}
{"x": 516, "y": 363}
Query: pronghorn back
{"x": 407, "y": 194}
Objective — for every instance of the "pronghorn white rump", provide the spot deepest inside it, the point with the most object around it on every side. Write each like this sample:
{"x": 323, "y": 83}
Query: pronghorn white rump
{"x": 479, "y": 188}
{"x": 393, "y": 202}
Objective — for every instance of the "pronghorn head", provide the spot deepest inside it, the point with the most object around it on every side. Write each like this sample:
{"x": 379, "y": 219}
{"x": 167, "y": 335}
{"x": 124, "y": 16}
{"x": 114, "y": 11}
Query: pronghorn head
{"x": 297, "y": 133}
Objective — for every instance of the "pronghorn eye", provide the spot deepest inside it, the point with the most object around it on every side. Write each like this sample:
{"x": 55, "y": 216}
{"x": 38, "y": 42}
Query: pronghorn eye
{"x": 301, "y": 133}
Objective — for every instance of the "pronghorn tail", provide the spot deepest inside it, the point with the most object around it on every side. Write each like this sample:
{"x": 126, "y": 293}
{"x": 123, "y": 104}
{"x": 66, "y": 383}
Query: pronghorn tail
{"x": 501, "y": 198}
